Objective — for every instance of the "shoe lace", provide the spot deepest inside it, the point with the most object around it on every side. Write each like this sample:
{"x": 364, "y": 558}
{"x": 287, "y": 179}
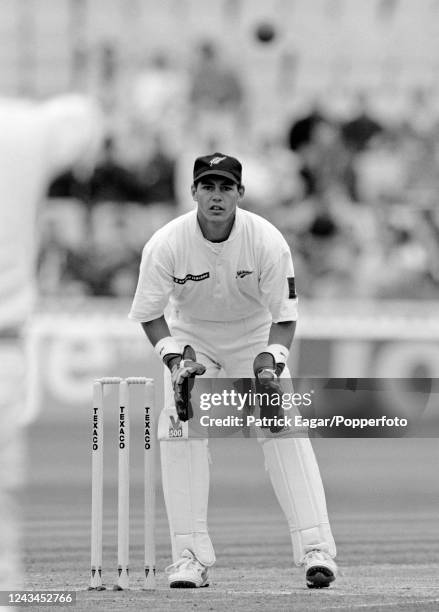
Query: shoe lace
{"x": 185, "y": 562}
{"x": 315, "y": 554}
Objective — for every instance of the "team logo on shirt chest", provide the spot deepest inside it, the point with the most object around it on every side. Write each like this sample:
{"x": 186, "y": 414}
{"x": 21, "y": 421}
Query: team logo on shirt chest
{"x": 242, "y": 273}
{"x": 192, "y": 277}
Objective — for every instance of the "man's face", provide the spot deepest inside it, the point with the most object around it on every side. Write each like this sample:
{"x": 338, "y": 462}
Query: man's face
{"x": 217, "y": 198}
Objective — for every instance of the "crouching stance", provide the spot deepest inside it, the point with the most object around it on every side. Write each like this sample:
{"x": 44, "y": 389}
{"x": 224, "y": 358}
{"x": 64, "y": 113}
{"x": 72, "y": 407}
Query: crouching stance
{"x": 226, "y": 279}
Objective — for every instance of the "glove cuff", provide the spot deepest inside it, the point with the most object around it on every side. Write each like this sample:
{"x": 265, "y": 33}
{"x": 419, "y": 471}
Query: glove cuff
{"x": 166, "y": 347}
{"x": 279, "y": 352}
{"x": 172, "y": 362}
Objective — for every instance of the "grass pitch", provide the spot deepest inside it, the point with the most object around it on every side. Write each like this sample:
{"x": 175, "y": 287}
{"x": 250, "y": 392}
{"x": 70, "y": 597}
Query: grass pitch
{"x": 383, "y": 499}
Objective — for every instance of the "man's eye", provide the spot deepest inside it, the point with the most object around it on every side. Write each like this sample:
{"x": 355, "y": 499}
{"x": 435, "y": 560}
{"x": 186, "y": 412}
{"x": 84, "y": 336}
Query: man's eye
{"x": 226, "y": 188}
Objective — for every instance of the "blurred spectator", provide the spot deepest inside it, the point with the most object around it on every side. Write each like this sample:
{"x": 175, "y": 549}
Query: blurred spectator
{"x": 159, "y": 99}
{"x": 358, "y": 134}
{"x": 301, "y": 130}
{"x": 405, "y": 263}
{"x": 111, "y": 180}
{"x": 284, "y": 168}
{"x": 105, "y": 264}
{"x": 109, "y": 68}
{"x": 300, "y": 138}
{"x": 326, "y": 160}
{"x": 155, "y": 176}
{"x": 428, "y": 231}
{"x": 68, "y": 185}
{"x": 324, "y": 163}
{"x": 217, "y": 98}
{"x": 272, "y": 176}
{"x": 359, "y": 131}
{"x": 380, "y": 172}
{"x": 95, "y": 252}
{"x": 328, "y": 251}
{"x": 399, "y": 258}
{"x": 64, "y": 234}
{"x": 421, "y": 113}
{"x": 51, "y": 262}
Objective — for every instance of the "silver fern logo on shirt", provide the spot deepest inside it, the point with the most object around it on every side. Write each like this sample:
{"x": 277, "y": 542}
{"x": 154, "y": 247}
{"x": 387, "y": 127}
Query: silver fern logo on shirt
{"x": 242, "y": 273}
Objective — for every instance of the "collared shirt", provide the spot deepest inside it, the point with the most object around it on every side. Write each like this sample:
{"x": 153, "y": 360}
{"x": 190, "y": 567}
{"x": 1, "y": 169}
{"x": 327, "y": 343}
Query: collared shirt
{"x": 248, "y": 274}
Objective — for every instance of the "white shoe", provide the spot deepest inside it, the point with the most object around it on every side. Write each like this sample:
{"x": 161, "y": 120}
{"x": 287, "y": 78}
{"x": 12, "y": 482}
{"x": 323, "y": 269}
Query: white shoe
{"x": 320, "y": 569}
{"x": 187, "y": 572}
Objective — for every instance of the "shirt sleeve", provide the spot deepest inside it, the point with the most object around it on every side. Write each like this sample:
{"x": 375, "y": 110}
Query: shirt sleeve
{"x": 155, "y": 283}
{"x": 277, "y": 286}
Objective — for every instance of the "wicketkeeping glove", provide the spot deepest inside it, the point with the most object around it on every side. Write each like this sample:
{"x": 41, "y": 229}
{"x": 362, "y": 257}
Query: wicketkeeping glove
{"x": 184, "y": 368}
{"x": 267, "y": 373}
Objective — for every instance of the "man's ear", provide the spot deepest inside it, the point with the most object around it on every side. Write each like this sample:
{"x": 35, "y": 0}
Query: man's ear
{"x": 194, "y": 191}
{"x": 241, "y": 191}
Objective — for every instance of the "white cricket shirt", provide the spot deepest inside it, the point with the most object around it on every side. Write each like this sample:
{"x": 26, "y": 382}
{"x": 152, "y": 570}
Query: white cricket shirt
{"x": 248, "y": 274}
{"x": 36, "y": 142}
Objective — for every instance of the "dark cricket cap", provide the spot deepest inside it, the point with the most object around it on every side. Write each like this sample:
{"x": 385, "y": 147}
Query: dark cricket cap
{"x": 219, "y": 164}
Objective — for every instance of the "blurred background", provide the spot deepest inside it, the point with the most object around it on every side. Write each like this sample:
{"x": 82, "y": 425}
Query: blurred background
{"x": 332, "y": 106}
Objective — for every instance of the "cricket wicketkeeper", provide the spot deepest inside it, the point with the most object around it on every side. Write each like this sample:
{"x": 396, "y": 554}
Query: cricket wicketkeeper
{"x": 226, "y": 279}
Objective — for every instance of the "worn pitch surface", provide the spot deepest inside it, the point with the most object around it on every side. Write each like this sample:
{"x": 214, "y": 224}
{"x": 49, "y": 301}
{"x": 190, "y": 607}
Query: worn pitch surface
{"x": 383, "y": 499}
